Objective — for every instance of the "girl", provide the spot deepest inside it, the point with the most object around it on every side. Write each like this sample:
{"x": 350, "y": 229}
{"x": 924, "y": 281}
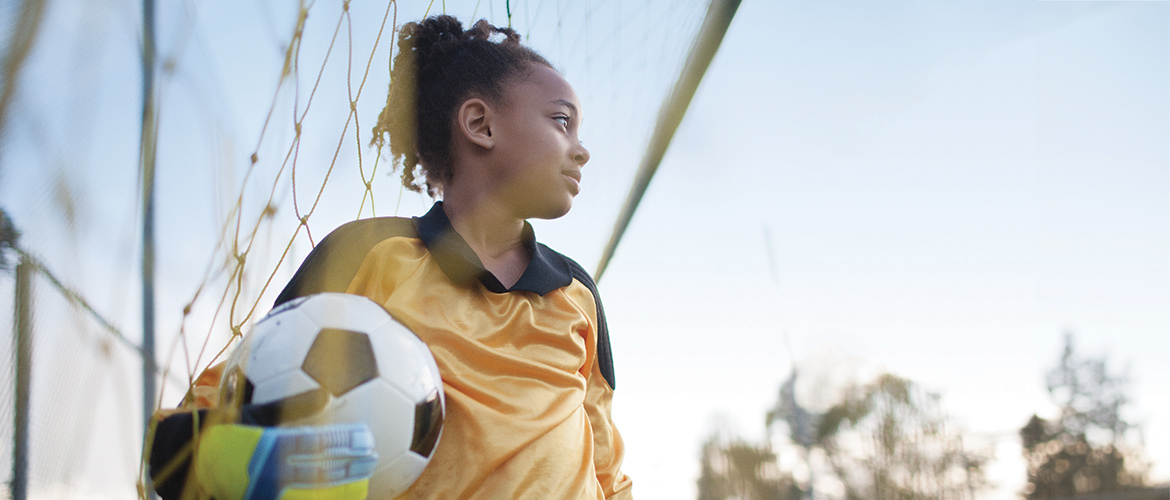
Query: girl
{"x": 516, "y": 328}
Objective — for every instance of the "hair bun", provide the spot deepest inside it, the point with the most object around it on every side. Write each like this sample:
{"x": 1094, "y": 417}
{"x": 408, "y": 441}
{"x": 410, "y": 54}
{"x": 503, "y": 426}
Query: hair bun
{"x": 433, "y": 36}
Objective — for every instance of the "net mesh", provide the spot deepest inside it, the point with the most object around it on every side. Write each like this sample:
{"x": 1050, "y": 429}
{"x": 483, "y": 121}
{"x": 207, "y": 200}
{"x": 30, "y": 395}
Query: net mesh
{"x": 264, "y": 117}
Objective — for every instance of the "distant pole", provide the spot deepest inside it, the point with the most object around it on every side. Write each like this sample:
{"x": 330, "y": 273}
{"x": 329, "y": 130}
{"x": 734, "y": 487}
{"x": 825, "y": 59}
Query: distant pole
{"x": 23, "y": 349}
{"x": 147, "y": 160}
{"x": 719, "y": 15}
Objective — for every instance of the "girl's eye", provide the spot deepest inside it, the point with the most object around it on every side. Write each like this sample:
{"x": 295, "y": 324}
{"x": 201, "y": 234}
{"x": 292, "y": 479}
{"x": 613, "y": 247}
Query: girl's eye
{"x": 564, "y": 120}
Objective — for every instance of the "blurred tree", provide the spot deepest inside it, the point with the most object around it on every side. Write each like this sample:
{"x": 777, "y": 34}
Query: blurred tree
{"x": 713, "y": 482}
{"x": 1089, "y": 447}
{"x": 890, "y": 440}
{"x": 802, "y": 425}
{"x": 885, "y": 440}
{"x": 742, "y": 471}
{"x": 8, "y": 237}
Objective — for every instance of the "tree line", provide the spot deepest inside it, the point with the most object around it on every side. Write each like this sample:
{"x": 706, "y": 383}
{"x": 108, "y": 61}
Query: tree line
{"x": 890, "y": 439}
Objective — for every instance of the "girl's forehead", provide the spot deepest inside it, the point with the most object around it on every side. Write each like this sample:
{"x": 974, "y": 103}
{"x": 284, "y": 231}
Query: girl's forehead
{"x": 543, "y": 83}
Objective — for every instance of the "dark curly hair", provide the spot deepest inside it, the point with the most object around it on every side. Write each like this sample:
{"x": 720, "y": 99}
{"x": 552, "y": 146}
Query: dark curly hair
{"x": 438, "y": 67}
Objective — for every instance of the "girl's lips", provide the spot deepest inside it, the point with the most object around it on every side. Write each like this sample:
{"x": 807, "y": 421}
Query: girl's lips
{"x": 574, "y": 177}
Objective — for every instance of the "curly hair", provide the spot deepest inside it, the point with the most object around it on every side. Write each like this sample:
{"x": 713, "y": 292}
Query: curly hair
{"x": 439, "y": 66}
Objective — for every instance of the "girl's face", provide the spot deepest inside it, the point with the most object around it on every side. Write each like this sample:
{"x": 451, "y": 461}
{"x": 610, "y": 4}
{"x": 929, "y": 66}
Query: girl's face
{"x": 538, "y": 156}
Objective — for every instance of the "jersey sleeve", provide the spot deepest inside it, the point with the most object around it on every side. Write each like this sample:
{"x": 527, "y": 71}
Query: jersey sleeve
{"x": 608, "y": 446}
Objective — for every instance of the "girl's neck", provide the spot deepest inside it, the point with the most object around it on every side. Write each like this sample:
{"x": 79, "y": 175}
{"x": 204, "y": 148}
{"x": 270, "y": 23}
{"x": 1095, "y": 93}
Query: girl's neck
{"x": 496, "y": 236}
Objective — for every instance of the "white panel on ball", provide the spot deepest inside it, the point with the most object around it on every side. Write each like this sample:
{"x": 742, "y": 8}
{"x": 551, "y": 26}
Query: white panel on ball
{"x": 403, "y": 469}
{"x": 268, "y": 354}
{"x": 413, "y": 370}
{"x": 336, "y": 310}
{"x": 394, "y": 411}
{"x": 281, "y": 386}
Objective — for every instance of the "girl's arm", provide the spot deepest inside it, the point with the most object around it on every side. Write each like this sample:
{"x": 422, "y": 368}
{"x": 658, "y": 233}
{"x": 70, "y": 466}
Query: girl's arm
{"x": 608, "y": 447}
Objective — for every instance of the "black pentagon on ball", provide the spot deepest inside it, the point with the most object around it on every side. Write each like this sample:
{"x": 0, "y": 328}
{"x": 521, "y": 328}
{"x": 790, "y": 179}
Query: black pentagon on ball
{"x": 249, "y": 388}
{"x": 428, "y": 422}
{"x": 340, "y": 360}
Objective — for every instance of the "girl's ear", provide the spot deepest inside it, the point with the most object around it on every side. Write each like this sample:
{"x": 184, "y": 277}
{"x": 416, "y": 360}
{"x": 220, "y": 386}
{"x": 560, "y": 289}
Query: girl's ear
{"x": 475, "y": 122}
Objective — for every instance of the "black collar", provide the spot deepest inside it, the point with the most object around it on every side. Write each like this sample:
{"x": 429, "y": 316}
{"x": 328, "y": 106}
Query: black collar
{"x": 547, "y": 270}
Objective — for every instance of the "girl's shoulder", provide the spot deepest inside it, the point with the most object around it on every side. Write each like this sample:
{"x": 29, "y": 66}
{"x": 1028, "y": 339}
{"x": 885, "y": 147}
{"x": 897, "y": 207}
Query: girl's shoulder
{"x": 335, "y": 260}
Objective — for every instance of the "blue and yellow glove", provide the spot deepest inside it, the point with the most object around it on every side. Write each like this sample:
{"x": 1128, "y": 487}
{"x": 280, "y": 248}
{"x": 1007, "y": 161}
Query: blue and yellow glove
{"x": 247, "y": 457}
{"x": 244, "y": 462}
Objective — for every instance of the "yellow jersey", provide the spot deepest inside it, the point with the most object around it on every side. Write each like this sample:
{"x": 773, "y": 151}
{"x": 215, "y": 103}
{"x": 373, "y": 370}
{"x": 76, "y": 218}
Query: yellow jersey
{"x": 527, "y": 370}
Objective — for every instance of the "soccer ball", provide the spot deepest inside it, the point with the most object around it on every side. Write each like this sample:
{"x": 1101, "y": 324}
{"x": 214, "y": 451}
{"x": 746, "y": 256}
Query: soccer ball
{"x": 375, "y": 370}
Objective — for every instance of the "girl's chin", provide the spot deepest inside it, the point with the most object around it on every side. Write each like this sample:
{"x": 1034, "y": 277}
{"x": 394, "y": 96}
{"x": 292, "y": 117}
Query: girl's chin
{"x": 552, "y": 211}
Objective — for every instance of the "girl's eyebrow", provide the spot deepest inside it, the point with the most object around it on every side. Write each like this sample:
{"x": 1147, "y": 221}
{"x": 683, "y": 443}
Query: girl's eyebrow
{"x": 565, "y": 103}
